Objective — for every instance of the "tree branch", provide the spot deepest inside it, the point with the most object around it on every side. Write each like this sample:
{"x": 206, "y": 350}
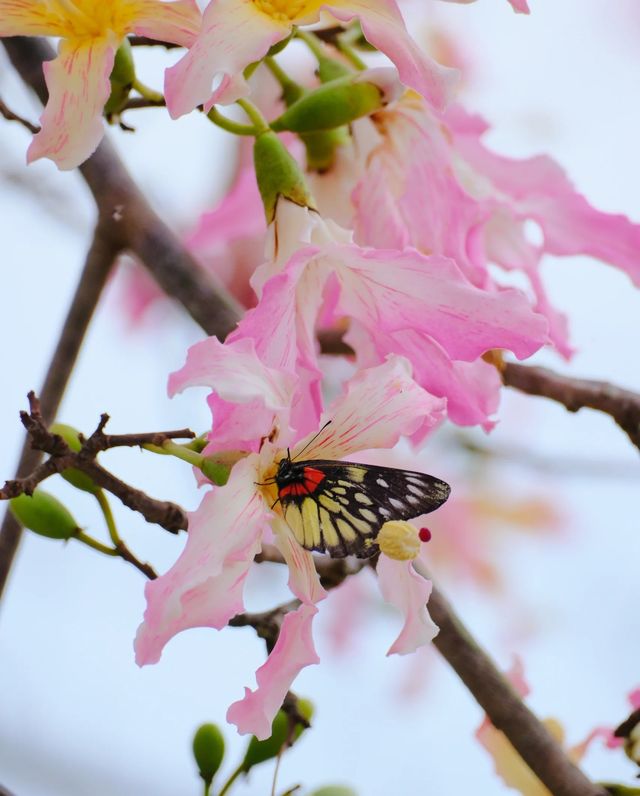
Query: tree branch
{"x": 10, "y": 116}
{"x": 102, "y": 253}
{"x": 504, "y": 707}
{"x": 576, "y": 394}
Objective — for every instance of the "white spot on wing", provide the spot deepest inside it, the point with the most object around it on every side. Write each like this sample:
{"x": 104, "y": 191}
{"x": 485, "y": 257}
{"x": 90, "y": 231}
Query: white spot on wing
{"x": 397, "y": 504}
{"x": 381, "y": 482}
{"x": 415, "y": 490}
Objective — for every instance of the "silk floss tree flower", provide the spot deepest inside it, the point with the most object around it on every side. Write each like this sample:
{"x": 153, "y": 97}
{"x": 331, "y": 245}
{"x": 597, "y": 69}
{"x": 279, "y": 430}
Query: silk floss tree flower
{"x": 90, "y": 33}
{"x": 236, "y": 33}
{"x": 204, "y": 588}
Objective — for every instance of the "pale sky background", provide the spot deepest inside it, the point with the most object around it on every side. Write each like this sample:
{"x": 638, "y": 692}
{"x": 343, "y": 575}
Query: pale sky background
{"x": 78, "y": 717}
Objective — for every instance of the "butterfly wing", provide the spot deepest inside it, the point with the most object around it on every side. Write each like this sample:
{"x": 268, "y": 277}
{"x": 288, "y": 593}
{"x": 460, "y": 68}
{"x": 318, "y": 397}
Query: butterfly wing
{"x": 339, "y": 507}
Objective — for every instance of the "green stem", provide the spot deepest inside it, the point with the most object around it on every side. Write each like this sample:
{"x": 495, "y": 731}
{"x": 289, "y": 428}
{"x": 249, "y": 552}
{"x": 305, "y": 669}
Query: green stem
{"x": 351, "y": 55}
{"x": 171, "y": 448}
{"x": 146, "y": 92}
{"x": 108, "y": 517}
{"x": 231, "y": 780}
{"x": 229, "y": 125}
{"x": 81, "y": 536}
{"x": 207, "y": 787}
{"x": 313, "y": 43}
{"x": 260, "y": 123}
{"x": 289, "y": 86}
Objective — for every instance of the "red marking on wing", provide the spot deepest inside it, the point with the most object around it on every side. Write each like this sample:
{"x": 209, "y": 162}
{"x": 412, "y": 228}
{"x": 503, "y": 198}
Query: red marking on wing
{"x": 294, "y": 489}
{"x": 312, "y": 478}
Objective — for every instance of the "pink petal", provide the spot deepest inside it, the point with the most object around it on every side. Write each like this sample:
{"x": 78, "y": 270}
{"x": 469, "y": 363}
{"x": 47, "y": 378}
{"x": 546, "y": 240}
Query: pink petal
{"x": 233, "y": 35}
{"x": 293, "y": 651}
{"x": 28, "y": 18}
{"x": 383, "y": 26}
{"x": 204, "y": 587}
{"x": 177, "y": 22}
{"x": 520, "y": 6}
{"x": 634, "y": 699}
{"x": 78, "y": 84}
{"x": 380, "y": 405}
{"x": 389, "y": 290}
{"x": 409, "y": 592}
{"x": 304, "y": 581}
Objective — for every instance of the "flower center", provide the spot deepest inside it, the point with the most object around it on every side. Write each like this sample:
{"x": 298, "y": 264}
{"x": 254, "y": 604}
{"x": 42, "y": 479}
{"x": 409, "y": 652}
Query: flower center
{"x": 86, "y": 19}
{"x": 287, "y": 10}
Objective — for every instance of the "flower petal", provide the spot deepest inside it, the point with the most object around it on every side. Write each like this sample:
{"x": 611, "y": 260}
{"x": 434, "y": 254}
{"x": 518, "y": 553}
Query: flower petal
{"x": 304, "y": 581}
{"x": 178, "y": 22}
{"x": 409, "y": 592}
{"x": 78, "y": 84}
{"x": 380, "y": 404}
{"x": 233, "y": 35}
{"x": 204, "y": 587}
{"x": 293, "y": 651}
{"x": 27, "y": 18}
{"x": 383, "y": 26}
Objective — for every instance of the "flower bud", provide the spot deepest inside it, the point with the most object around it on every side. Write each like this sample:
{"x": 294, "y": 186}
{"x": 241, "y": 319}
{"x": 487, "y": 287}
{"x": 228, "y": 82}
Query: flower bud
{"x": 74, "y": 476}
{"x": 399, "y": 540}
{"x": 278, "y": 174}
{"x": 334, "y": 790}
{"x": 259, "y": 751}
{"x": 44, "y": 514}
{"x": 332, "y": 104}
{"x": 208, "y": 750}
{"x": 122, "y": 77}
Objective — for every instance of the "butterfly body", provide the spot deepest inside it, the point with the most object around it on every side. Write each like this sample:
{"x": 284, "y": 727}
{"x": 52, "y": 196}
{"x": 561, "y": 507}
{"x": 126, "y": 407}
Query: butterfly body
{"x": 339, "y": 507}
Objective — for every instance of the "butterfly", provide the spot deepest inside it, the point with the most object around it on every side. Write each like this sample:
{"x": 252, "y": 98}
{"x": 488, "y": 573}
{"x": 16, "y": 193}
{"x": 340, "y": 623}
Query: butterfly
{"x": 338, "y": 507}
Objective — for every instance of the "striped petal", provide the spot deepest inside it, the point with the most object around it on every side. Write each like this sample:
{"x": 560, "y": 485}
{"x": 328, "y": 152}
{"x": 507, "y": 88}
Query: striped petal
{"x": 177, "y": 22}
{"x": 27, "y": 18}
{"x": 78, "y": 84}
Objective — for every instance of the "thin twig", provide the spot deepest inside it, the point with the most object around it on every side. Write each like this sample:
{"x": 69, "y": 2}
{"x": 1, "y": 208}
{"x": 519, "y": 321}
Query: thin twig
{"x": 145, "y": 41}
{"x": 127, "y": 555}
{"x": 576, "y": 394}
{"x": 10, "y": 116}
{"x": 102, "y": 253}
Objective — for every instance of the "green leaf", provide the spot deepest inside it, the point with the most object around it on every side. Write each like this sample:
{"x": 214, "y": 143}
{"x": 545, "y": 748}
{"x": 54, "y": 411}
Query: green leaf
{"x": 44, "y": 514}
{"x": 208, "y": 750}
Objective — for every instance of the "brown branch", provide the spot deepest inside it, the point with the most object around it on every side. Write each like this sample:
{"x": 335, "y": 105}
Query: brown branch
{"x": 102, "y": 253}
{"x": 145, "y": 41}
{"x": 126, "y": 554}
{"x": 504, "y": 707}
{"x": 576, "y": 394}
{"x": 161, "y": 512}
{"x": 10, "y": 116}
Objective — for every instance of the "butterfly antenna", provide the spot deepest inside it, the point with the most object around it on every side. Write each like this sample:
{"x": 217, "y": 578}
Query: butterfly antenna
{"x": 313, "y": 439}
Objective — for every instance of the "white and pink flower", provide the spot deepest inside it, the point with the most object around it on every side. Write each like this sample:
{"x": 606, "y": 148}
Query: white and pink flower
{"x": 204, "y": 587}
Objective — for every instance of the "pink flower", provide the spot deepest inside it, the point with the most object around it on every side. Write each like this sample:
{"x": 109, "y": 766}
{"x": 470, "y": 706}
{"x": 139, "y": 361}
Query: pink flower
{"x": 90, "y": 32}
{"x": 236, "y": 33}
{"x": 397, "y": 301}
{"x": 431, "y": 183}
{"x": 519, "y": 6}
{"x": 204, "y": 587}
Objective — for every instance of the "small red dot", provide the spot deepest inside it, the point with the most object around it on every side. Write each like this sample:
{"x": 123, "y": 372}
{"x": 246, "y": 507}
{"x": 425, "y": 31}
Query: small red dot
{"x": 424, "y": 534}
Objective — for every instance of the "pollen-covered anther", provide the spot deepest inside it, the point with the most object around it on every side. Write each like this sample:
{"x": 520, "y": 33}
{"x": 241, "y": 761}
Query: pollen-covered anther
{"x": 399, "y": 540}
{"x": 285, "y": 10}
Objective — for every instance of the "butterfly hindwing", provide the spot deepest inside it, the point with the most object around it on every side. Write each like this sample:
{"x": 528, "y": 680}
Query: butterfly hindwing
{"x": 339, "y": 507}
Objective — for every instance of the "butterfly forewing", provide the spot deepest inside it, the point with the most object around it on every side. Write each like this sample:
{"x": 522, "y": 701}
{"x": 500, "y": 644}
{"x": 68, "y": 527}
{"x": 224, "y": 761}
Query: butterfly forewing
{"x": 339, "y": 507}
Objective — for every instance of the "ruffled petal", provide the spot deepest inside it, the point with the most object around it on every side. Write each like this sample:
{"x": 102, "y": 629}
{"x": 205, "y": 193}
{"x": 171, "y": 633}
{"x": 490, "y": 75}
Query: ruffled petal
{"x": 233, "y": 35}
{"x": 383, "y": 26}
{"x": 27, "y": 18}
{"x": 78, "y": 84}
{"x": 390, "y": 290}
{"x": 304, "y": 581}
{"x": 178, "y": 22}
{"x": 380, "y": 404}
{"x": 409, "y": 592}
{"x": 204, "y": 587}
{"x": 293, "y": 651}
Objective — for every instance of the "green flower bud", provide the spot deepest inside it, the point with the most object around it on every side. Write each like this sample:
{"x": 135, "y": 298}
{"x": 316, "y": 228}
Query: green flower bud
{"x": 208, "y": 750}
{"x": 321, "y": 147}
{"x": 122, "y": 77}
{"x": 216, "y": 472}
{"x": 278, "y": 174}
{"x": 74, "y": 476}
{"x": 331, "y": 105}
{"x": 259, "y": 751}
{"x": 329, "y": 69}
{"x": 334, "y": 790}
{"x": 44, "y": 514}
